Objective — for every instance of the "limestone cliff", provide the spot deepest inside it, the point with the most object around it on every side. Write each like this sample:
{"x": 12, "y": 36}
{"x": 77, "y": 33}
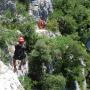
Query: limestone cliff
{"x": 8, "y": 79}
{"x": 7, "y": 5}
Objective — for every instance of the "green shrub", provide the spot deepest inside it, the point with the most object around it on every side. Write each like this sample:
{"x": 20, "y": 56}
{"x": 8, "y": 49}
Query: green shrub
{"x": 52, "y": 25}
{"x": 53, "y": 82}
{"x": 84, "y": 31}
{"x": 8, "y": 14}
{"x": 4, "y": 56}
{"x": 26, "y": 82}
{"x": 21, "y": 8}
{"x": 67, "y": 25}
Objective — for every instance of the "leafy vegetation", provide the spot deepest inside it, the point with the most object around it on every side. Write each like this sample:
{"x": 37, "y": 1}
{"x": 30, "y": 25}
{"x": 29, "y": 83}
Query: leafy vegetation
{"x": 53, "y": 82}
{"x": 26, "y": 82}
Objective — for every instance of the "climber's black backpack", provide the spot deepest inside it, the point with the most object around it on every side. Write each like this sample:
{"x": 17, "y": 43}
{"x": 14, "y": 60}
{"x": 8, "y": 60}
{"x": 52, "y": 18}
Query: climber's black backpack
{"x": 19, "y": 52}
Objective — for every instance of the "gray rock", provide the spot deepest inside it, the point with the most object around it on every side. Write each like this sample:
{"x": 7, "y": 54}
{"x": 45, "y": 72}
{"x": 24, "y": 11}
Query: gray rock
{"x": 8, "y": 79}
{"x": 7, "y": 5}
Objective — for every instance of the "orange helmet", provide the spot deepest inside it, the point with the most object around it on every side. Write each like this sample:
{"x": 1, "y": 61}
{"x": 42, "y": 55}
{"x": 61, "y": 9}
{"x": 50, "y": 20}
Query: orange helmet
{"x": 21, "y": 40}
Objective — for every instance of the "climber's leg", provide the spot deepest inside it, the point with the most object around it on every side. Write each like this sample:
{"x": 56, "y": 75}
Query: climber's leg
{"x": 21, "y": 63}
{"x": 14, "y": 64}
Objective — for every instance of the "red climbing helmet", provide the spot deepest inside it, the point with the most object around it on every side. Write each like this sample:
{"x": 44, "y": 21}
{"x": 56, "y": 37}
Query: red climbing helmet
{"x": 21, "y": 40}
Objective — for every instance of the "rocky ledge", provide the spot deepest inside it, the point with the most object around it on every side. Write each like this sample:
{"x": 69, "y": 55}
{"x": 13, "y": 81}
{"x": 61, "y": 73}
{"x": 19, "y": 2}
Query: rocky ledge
{"x": 8, "y": 79}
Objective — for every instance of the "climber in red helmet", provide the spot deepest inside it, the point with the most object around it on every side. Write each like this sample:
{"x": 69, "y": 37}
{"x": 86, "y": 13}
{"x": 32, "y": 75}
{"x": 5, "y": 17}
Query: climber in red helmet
{"x": 41, "y": 24}
{"x": 19, "y": 53}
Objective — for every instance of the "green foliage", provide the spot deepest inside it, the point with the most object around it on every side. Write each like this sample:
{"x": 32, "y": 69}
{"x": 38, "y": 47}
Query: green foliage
{"x": 84, "y": 31}
{"x": 4, "y": 56}
{"x": 72, "y": 65}
{"x": 39, "y": 55}
{"x": 87, "y": 60}
{"x": 61, "y": 51}
{"x": 56, "y": 15}
{"x": 8, "y": 14}
{"x": 2, "y": 42}
{"x": 67, "y": 58}
{"x": 80, "y": 13}
{"x": 74, "y": 12}
{"x": 53, "y": 82}
{"x": 7, "y": 36}
{"x": 24, "y": 24}
{"x": 65, "y": 5}
{"x": 87, "y": 3}
{"x": 57, "y": 4}
{"x": 23, "y": 1}
{"x": 75, "y": 36}
{"x": 71, "y": 59}
{"x": 26, "y": 82}
{"x": 63, "y": 42}
{"x": 43, "y": 49}
{"x": 67, "y": 25}
{"x": 52, "y": 25}
{"x": 21, "y": 8}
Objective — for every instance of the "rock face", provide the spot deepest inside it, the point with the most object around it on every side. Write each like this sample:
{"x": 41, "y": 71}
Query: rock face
{"x": 7, "y": 5}
{"x": 8, "y": 79}
{"x": 40, "y": 9}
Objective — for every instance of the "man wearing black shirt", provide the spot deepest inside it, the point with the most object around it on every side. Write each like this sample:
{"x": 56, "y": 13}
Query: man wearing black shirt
{"x": 19, "y": 53}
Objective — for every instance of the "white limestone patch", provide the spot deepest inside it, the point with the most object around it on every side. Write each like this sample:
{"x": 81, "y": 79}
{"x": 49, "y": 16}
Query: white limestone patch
{"x": 8, "y": 79}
